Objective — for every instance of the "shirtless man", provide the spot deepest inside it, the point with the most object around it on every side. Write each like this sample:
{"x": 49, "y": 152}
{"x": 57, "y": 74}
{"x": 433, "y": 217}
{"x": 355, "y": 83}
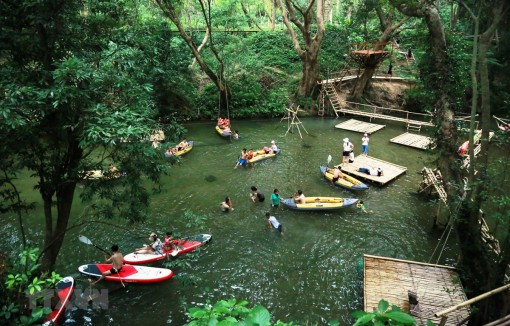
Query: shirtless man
{"x": 337, "y": 174}
{"x": 299, "y": 198}
{"x": 115, "y": 260}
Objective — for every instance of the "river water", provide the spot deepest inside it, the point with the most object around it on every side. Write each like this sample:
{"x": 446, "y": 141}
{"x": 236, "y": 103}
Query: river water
{"x": 310, "y": 275}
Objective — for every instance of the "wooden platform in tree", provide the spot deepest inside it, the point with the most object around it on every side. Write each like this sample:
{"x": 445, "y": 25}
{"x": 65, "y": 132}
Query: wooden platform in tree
{"x": 391, "y": 171}
{"x": 414, "y": 140}
{"x": 359, "y": 126}
{"x": 436, "y": 287}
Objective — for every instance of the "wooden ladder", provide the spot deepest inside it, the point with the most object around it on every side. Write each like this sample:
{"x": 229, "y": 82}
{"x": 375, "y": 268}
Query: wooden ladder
{"x": 333, "y": 97}
{"x": 413, "y": 127}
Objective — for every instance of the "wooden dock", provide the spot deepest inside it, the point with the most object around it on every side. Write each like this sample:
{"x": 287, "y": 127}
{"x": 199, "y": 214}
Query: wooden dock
{"x": 434, "y": 288}
{"x": 391, "y": 171}
{"x": 359, "y": 126}
{"x": 414, "y": 140}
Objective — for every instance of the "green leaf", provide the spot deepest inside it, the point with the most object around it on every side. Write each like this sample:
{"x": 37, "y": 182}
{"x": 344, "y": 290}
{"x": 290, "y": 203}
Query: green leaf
{"x": 382, "y": 306}
{"x": 364, "y": 320}
{"x": 401, "y": 317}
{"x": 198, "y": 313}
{"x": 259, "y": 315}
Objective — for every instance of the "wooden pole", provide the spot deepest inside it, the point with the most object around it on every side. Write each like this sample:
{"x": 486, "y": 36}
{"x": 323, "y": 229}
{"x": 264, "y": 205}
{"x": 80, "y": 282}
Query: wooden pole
{"x": 445, "y": 312}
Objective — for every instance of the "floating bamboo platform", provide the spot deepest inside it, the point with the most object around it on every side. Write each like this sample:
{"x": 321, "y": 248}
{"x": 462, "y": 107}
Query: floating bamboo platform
{"x": 391, "y": 171}
{"x": 359, "y": 126}
{"x": 436, "y": 287}
{"x": 414, "y": 140}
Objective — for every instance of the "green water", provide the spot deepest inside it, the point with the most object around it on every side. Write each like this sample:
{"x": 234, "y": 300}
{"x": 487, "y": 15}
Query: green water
{"x": 310, "y": 274}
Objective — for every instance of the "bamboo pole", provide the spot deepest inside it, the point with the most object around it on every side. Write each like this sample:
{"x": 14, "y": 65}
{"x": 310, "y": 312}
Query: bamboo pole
{"x": 444, "y": 313}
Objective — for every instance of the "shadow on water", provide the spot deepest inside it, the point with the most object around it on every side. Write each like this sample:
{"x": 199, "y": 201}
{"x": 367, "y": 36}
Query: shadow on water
{"x": 310, "y": 275}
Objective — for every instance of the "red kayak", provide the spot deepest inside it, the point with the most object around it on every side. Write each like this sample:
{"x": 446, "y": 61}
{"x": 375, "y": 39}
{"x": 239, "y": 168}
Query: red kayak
{"x": 64, "y": 288}
{"x": 182, "y": 246}
{"x": 128, "y": 273}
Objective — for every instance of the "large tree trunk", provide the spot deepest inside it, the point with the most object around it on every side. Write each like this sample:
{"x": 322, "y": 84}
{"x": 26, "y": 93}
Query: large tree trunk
{"x": 169, "y": 11}
{"x": 310, "y": 69}
{"x": 387, "y": 29}
{"x": 312, "y": 44}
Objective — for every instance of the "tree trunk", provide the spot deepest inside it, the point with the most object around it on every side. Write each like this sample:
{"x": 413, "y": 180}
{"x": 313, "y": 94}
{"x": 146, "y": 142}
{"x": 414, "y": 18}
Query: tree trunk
{"x": 170, "y": 12}
{"x": 387, "y": 29}
{"x": 308, "y": 82}
{"x": 362, "y": 83}
{"x": 273, "y": 15}
{"x": 312, "y": 43}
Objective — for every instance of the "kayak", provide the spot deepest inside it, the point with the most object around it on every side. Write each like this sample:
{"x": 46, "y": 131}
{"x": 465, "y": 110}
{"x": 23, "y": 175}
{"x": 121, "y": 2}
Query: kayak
{"x": 261, "y": 155}
{"x": 64, "y": 289}
{"x": 183, "y": 246}
{"x": 186, "y": 150}
{"x": 346, "y": 181}
{"x": 223, "y": 132}
{"x": 128, "y": 273}
{"x": 320, "y": 203}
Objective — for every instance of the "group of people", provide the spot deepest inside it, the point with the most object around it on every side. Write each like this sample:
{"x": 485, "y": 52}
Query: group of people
{"x": 224, "y": 124}
{"x": 155, "y": 247}
{"x": 246, "y": 155}
{"x": 181, "y": 146}
{"x": 348, "y": 157}
{"x": 348, "y": 149}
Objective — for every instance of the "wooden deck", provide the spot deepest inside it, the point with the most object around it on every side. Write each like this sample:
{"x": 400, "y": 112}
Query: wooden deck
{"x": 414, "y": 140}
{"x": 359, "y": 126}
{"x": 437, "y": 287}
{"x": 391, "y": 171}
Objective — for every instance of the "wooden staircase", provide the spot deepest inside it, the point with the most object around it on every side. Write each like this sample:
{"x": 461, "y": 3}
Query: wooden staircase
{"x": 334, "y": 98}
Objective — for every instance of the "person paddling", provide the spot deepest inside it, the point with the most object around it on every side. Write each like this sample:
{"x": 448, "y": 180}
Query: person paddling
{"x": 116, "y": 261}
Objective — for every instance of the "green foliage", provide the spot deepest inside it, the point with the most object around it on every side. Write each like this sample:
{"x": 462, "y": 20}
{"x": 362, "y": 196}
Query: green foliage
{"x": 25, "y": 287}
{"x": 384, "y": 316}
{"x": 231, "y": 312}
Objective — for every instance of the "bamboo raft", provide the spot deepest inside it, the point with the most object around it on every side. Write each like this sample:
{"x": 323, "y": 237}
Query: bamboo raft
{"x": 435, "y": 287}
{"x": 359, "y": 126}
{"x": 414, "y": 140}
{"x": 391, "y": 171}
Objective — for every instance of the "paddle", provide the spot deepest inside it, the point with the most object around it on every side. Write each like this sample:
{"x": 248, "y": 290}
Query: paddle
{"x": 87, "y": 241}
{"x": 329, "y": 159}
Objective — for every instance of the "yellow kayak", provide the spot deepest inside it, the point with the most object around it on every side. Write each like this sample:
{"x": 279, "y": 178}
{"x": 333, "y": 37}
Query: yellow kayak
{"x": 186, "y": 150}
{"x": 223, "y": 132}
{"x": 346, "y": 181}
{"x": 320, "y": 203}
{"x": 261, "y": 155}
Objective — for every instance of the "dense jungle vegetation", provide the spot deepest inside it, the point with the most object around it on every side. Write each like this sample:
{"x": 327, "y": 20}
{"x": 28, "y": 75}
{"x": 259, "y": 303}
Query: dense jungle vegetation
{"x": 79, "y": 76}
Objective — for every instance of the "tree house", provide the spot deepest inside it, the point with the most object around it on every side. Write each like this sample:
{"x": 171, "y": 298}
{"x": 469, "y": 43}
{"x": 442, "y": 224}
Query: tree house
{"x": 370, "y": 55}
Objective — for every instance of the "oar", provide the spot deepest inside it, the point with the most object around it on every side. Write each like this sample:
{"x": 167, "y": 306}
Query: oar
{"x": 87, "y": 241}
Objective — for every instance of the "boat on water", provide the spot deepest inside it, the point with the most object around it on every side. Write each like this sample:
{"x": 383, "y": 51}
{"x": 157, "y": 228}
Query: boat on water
{"x": 320, "y": 203}
{"x": 128, "y": 273}
{"x": 64, "y": 290}
{"x": 345, "y": 181}
{"x": 181, "y": 246}
{"x": 175, "y": 152}
{"x": 261, "y": 155}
